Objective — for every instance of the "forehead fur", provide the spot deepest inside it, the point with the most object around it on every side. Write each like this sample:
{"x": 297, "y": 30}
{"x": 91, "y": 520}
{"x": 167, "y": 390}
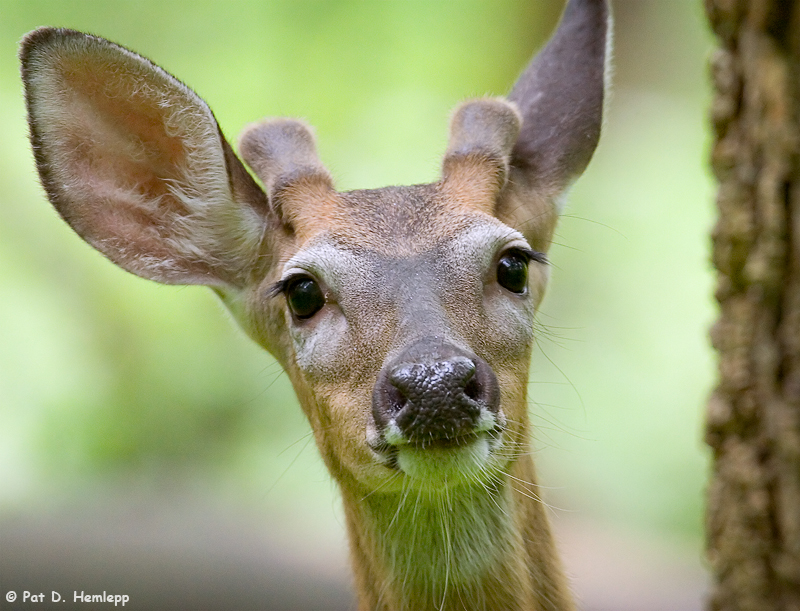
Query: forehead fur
{"x": 391, "y": 220}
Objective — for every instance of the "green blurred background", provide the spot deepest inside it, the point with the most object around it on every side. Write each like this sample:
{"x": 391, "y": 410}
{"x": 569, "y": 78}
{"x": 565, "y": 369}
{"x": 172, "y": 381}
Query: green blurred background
{"x": 111, "y": 385}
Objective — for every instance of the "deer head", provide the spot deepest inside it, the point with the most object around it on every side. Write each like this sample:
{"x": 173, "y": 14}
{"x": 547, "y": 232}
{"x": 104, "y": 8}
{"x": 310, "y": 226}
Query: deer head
{"x": 402, "y": 315}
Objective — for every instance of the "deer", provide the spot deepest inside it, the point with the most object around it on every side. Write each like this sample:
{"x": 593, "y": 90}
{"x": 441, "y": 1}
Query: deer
{"x": 402, "y": 315}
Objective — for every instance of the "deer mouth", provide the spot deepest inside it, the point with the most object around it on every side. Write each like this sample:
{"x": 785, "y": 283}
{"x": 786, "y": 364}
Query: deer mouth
{"x": 443, "y": 461}
{"x": 445, "y": 443}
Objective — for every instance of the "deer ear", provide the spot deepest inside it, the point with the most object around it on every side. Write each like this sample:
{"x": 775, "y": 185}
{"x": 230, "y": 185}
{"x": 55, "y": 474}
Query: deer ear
{"x": 560, "y": 98}
{"x": 135, "y": 162}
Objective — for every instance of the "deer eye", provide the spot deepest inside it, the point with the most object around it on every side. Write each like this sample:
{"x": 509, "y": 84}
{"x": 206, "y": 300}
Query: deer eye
{"x": 304, "y": 296}
{"x": 512, "y": 271}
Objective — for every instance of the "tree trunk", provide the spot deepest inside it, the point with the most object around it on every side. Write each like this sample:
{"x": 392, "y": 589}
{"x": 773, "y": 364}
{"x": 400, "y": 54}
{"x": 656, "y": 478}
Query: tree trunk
{"x": 753, "y": 418}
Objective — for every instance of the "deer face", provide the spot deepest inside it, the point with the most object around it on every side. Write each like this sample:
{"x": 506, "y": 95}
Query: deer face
{"x": 407, "y": 312}
{"x": 411, "y": 349}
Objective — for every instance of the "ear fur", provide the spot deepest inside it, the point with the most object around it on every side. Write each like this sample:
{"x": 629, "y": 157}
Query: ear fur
{"x": 135, "y": 162}
{"x": 476, "y": 165}
{"x": 283, "y": 154}
{"x": 560, "y": 99}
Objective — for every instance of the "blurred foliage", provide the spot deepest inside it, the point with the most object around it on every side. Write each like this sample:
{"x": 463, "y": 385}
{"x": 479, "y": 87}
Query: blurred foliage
{"x": 106, "y": 377}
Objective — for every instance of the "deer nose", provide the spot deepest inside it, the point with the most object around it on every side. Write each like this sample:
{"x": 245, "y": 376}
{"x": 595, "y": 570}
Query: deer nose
{"x": 434, "y": 395}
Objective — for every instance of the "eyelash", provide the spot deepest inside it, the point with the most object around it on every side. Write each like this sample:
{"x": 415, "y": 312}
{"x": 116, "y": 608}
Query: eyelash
{"x": 280, "y": 286}
{"x": 530, "y": 255}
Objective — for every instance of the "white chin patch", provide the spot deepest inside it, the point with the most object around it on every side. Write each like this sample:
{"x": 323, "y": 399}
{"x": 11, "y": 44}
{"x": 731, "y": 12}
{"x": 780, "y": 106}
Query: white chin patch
{"x": 433, "y": 466}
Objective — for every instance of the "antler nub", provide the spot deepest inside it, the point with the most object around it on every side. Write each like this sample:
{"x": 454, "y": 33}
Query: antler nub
{"x": 482, "y": 135}
{"x": 283, "y": 154}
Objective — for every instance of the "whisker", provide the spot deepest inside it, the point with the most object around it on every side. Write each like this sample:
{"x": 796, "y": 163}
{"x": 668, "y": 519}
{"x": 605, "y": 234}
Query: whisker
{"x": 594, "y": 222}
{"x": 289, "y": 466}
{"x": 385, "y": 483}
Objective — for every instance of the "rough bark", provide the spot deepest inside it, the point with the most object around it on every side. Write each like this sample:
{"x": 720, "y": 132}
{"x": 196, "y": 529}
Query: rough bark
{"x": 753, "y": 417}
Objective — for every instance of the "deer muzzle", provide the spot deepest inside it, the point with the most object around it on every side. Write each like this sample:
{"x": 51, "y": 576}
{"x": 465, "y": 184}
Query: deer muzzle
{"x": 435, "y": 394}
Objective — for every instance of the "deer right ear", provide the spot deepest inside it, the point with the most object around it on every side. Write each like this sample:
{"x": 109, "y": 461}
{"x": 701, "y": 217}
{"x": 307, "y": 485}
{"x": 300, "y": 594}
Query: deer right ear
{"x": 135, "y": 162}
{"x": 560, "y": 99}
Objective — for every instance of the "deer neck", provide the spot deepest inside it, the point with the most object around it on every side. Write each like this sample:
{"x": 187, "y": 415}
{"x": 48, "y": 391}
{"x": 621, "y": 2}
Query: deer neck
{"x": 473, "y": 547}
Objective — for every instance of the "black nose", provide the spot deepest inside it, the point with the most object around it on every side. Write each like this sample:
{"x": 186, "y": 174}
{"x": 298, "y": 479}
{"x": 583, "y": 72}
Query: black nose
{"x": 434, "y": 391}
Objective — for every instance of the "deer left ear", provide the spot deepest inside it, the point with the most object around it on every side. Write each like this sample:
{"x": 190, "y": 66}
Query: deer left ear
{"x": 135, "y": 162}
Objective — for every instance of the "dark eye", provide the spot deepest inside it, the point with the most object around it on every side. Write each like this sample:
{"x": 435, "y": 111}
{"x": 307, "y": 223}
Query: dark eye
{"x": 304, "y": 296}
{"x": 512, "y": 271}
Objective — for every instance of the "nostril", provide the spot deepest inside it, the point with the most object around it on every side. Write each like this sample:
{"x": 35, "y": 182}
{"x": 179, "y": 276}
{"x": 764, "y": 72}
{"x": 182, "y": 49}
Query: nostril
{"x": 396, "y": 399}
{"x": 473, "y": 388}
